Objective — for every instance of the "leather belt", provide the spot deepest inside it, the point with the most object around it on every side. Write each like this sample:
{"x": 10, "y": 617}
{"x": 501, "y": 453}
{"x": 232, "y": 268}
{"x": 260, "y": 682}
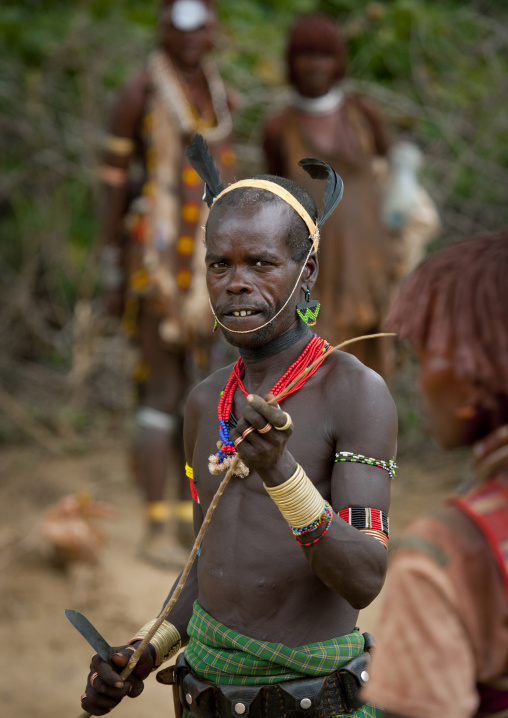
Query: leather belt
{"x": 322, "y": 697}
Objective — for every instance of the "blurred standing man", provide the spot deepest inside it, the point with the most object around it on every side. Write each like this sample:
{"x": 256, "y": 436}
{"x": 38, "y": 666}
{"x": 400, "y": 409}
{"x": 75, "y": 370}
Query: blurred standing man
{"x": 359, "y": 263}
{"x": 443, "y": 634}
{"x": 152, "y": 239}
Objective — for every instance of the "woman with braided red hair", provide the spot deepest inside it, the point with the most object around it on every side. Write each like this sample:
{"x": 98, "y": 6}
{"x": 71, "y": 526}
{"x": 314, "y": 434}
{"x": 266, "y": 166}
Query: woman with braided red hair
{"x": 443, "y": 637}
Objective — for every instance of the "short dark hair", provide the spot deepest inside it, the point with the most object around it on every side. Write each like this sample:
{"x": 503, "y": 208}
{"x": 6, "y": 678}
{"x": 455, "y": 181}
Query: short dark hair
{"x": 298, "y": 237}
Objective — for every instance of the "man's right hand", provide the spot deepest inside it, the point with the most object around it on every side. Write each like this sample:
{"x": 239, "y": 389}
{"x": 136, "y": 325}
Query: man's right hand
{"x": 105, "y": 689}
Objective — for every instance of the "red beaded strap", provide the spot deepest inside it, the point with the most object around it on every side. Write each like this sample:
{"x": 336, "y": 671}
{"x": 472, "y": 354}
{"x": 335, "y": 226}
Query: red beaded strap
{"x": 315, "y": 348}
{"x": 190, "y": 475}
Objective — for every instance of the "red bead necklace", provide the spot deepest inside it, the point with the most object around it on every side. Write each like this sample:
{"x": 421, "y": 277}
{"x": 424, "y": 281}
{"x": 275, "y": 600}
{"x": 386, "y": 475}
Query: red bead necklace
{"x": 313, "y": 350}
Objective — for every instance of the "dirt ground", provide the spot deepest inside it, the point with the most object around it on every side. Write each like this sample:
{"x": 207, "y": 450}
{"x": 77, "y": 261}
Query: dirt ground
{"x": 44, "y": 661}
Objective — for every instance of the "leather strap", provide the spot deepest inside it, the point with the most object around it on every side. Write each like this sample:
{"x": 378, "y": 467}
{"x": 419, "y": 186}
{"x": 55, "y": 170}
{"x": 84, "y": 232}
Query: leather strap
{"x": 169, "y": 677}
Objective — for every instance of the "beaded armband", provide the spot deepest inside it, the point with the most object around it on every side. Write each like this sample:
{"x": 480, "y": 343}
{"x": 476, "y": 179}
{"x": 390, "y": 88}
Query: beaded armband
{"x": 370, "y": 521}
{"x": 362, "y": 518}
{"x": 189, "y": 473}
{"x": 389, "y": 466}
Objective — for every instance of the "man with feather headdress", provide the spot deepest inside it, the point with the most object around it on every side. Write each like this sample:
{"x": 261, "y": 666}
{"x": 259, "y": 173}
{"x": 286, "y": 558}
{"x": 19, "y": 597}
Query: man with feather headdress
{"x": 297, "y": 545}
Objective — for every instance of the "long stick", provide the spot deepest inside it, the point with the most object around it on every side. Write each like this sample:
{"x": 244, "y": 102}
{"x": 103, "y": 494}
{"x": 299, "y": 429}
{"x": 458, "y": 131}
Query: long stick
{"x": 133, "y": 660}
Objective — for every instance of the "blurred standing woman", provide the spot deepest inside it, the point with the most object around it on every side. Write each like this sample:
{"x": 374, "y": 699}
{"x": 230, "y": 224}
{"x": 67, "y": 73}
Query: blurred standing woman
{"x": 359, "y": 259}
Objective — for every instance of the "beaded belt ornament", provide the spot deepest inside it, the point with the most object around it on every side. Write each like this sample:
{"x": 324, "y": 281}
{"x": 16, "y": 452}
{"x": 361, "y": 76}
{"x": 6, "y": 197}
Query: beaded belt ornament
{"x": 389, "y": 466}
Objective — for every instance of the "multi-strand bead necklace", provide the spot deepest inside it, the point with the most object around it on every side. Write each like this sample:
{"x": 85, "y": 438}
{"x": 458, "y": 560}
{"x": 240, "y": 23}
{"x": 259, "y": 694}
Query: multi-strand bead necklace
{"x": 221, "y": 461}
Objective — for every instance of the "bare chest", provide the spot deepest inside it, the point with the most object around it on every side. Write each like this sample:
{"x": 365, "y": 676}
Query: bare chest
{"x": 311, "y": 444}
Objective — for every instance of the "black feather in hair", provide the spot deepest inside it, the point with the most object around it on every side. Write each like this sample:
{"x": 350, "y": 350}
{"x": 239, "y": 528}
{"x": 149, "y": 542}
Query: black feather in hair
{"x": 200, "y": 158}
{"x": 318, "y": 169}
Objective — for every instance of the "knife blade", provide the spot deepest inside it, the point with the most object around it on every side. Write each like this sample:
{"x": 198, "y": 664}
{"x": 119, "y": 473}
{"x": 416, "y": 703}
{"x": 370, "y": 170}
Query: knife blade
{"x": 90, "y": 634}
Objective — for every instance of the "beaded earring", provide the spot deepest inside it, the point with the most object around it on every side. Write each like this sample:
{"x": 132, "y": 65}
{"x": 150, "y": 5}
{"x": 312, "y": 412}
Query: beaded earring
{"x": 308, "y": 310}
{"x": 215, "y": 325}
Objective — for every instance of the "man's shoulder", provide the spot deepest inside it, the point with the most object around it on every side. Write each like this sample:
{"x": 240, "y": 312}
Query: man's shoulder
{"x": 209, "y": 389}
{"x": 347, "y": 372}
{"x": 354, "y": 398}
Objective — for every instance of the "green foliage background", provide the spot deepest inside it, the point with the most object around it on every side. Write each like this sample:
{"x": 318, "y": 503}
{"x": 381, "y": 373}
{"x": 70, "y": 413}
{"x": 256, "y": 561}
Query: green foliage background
{"x": 438, "y": 70}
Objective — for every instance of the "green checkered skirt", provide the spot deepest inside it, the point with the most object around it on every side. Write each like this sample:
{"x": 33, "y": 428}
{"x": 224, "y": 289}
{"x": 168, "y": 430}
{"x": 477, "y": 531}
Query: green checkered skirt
{"x": 222, "y": 655}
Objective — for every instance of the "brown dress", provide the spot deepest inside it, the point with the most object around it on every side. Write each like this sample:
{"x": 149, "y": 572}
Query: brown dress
{"x": 357, "y": 258}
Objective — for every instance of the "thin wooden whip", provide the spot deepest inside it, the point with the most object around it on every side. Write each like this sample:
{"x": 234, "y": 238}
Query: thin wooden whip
{"x": 322, "y": 358}
{"x": 133, "y": 660}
